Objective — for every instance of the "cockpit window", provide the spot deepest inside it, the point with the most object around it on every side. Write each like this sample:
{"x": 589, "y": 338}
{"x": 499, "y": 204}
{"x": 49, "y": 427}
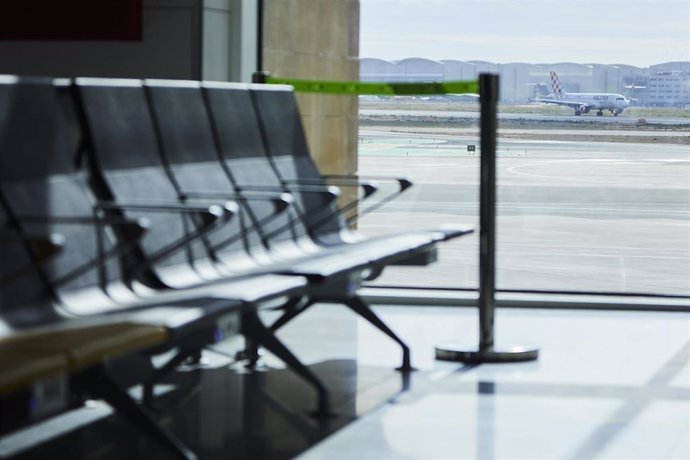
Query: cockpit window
{"x": 620, "y": 98}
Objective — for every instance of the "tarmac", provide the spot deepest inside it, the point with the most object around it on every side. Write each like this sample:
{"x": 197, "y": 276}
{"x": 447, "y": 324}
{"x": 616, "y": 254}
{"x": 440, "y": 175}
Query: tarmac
{"x": 584, "y": 216}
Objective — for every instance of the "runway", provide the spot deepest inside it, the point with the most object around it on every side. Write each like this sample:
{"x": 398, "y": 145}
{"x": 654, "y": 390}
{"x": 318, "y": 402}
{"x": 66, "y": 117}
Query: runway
{"x": 622, "y": 119}
{"x": 595, "y": 216}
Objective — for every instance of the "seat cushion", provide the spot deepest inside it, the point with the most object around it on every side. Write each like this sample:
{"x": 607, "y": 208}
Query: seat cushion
{"x": 83, "y": 345}
{"x": 20, "y": 368}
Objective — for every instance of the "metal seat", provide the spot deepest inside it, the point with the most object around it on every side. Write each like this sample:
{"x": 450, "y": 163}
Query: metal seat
{"x": 46, "y": 195}
{"x": 172, "y": 259}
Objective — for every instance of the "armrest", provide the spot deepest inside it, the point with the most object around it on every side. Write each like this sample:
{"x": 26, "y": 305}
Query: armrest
{"x": 45, "y": 248}
{"x": 42, "y": 247}
{"x": 208, "y": 214}
{"x": 280, "y": 202}
{"x": 131, "y": 231}
{"x": 332, "y": 192}
{"x": 82, "y": 220}
{"x": 211, "y": 218}
{"x": 404, "y": 182}
{"x": 368, "y": 187}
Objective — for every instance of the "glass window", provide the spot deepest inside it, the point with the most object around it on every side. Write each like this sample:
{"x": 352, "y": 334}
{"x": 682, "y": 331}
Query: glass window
{"x": 590, "y": 199}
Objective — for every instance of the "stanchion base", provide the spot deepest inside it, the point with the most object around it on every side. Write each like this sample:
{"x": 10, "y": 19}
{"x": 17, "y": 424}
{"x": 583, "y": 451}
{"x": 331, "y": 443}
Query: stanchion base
{"x": 464, "y": 354}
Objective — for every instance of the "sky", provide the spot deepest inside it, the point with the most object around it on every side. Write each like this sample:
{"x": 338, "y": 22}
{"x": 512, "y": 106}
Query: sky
{"x": 635, "y": 32}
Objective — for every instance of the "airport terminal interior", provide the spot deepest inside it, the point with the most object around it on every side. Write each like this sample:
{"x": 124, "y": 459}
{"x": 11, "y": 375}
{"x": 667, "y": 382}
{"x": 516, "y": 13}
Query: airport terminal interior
{"x": 212, "y": 248}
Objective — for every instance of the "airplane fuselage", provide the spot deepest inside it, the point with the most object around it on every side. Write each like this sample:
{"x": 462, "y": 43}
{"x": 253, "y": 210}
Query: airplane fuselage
{"x": 585, "y": 102}
{"x": 598, "y": 101}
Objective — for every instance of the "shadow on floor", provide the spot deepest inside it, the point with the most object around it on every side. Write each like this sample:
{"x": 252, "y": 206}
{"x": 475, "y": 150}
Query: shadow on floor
{"x": 224, "y": 411}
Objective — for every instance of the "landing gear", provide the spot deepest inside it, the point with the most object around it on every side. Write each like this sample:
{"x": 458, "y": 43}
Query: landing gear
{"x": 578, "y": 113}
{"x": 615, "y": 113}
{"x": 600, "y": 113}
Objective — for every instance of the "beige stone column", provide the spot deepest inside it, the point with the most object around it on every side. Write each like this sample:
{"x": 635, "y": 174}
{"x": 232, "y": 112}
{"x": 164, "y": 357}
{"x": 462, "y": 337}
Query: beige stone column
{"x": 318, "y": 39}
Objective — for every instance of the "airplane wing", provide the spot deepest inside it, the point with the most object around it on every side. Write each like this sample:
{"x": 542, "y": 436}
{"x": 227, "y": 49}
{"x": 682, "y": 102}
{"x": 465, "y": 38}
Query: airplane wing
{"x": 573, "y": 104}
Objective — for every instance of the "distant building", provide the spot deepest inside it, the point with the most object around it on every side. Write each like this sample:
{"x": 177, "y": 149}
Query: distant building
{"x": 669, "y": 89}
{"x": 521, "y": 82}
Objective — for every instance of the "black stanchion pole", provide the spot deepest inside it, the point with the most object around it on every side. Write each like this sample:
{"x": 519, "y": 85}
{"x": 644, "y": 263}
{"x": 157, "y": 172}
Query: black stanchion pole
{"x": 486, "y": 351}
{"x": 488, "y": 97}
{"x": 260, "y": 76}
{"x": 259, "y": 35}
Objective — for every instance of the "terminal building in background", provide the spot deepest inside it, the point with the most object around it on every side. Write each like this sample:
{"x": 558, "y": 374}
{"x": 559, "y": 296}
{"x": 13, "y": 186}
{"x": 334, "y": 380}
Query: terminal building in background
{"x": 666, "y": 84}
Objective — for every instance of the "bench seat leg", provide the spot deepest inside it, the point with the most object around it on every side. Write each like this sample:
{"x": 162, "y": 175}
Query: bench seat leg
{"x": 161, "y": 372}
{"x": 290, "y": 314}
{"x": 292, "y": 309}
{"x": 359, "y": 306}
{"x": 263, "y": 336}
{"x": 96, "y": 382}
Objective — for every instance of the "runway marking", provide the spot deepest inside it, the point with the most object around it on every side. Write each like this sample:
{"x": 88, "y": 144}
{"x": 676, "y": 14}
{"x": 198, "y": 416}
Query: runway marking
{"x": 570, "y": 255}
{"x": 517, "y": 246}
{"x": 407, "y": 168}
{"x": 531, "y": 203}
{"x": 514, "y": 170}
{"x": 529, "y": 207}
{"x": 442, "y": 165}
{"x": 562, "y": 256}
{"x": 518, "y": 252}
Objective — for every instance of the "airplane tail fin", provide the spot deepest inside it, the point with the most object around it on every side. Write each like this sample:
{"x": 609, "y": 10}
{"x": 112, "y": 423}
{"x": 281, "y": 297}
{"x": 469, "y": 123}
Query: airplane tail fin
{"x": 556, "y": 85}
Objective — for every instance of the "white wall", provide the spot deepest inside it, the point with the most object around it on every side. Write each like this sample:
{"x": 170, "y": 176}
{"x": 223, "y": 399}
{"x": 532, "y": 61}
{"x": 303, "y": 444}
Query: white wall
{"x": 229, "y": 40}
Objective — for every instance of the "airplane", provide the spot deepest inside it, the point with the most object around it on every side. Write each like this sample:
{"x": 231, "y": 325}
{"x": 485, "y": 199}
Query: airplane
{"x": 584, "y": 102}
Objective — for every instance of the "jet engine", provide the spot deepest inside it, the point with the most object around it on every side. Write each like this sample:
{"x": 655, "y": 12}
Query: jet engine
{"x": 584, "y": 108}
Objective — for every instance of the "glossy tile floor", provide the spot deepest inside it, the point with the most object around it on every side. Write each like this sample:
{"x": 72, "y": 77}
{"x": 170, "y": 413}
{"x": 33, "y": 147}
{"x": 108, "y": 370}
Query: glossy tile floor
{"x": 611, "y": 385}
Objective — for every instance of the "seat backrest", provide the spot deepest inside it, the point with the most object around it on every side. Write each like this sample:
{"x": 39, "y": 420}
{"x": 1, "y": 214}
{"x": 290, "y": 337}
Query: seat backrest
{"x": 40, "y": 187}
{"x": 125, "y": 164}
{"x": 236, "y": 127}
{"x": 286, "y": 142}
{"x": 286, "y": 145}
{"x": 243, "y": 146}
{"x": 189, "y": 152}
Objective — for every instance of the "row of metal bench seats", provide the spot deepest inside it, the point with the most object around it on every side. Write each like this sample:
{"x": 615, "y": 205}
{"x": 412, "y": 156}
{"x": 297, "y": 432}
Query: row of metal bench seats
{"x": 139, "y": 217}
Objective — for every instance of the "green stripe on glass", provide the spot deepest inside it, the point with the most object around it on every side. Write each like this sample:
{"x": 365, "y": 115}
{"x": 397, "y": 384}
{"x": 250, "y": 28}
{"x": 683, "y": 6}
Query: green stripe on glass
{"x": 378, "y": 88}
